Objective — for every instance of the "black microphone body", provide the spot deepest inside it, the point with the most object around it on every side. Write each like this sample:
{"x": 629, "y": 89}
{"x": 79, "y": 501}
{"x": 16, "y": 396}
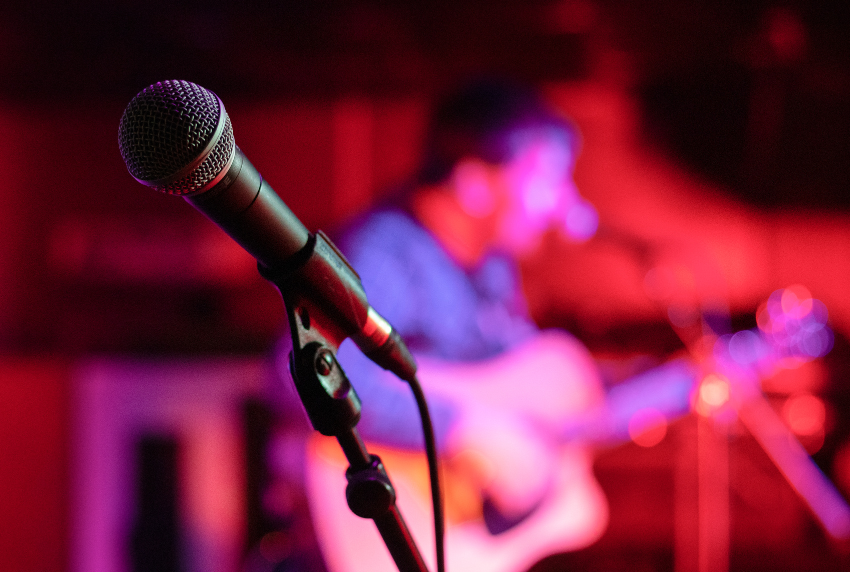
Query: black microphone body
{"x": 176, "y": 137}
{"x": 247, "y": 208}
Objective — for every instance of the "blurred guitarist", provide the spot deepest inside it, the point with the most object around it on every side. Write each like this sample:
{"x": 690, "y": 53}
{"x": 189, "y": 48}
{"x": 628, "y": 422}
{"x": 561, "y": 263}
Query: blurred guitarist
{"x": 439, "y": 260}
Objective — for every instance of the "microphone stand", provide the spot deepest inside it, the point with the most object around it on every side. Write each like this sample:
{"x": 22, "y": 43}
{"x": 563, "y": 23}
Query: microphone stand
{"x": 334, "y": 410}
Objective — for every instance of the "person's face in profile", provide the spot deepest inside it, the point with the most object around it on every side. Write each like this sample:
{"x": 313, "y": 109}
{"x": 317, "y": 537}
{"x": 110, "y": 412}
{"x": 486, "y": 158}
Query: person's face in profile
{"x": 539, "y": 194}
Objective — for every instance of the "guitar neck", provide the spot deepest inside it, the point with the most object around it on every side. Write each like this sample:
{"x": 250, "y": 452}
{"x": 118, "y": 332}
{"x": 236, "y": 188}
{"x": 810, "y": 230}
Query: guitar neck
{"x": 663, "y": 392}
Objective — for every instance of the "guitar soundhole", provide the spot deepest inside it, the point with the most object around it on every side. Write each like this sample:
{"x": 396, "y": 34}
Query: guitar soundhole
{"x": 498, "y": 522}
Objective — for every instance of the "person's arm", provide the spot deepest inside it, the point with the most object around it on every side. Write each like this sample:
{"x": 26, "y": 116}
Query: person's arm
{"x": 509, "y": 410}
{"x": 499, "y": 418}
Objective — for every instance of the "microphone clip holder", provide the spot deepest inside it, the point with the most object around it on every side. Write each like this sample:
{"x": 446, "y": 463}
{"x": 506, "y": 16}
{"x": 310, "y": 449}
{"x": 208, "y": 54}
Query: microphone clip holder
{"x": 333, "y": 408}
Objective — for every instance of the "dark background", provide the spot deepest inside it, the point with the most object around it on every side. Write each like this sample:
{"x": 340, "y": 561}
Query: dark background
{"x": 754, "y": 97}
{"x": 738, "y": 88}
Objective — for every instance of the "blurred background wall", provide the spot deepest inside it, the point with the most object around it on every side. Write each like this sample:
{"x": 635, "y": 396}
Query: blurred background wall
{"x": 715, "y": 138}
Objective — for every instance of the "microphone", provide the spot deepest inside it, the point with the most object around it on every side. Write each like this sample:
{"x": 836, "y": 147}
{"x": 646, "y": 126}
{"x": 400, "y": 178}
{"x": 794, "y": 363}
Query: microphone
{"x": 176, "y": 137}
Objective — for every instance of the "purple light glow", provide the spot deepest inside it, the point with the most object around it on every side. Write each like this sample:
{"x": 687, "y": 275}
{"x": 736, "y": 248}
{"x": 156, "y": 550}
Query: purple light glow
{"x": 581, "y": 221}
{"x": 796, "y": 323}
{"x": 746, "y": 348}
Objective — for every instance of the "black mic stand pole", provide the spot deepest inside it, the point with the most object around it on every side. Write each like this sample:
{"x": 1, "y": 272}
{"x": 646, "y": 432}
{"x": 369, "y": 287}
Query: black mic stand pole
{"x": 334, "y": 410}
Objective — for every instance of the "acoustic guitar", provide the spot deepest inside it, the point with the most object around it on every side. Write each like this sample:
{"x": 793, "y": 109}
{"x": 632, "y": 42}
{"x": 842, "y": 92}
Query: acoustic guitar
{"x": 538, "y": 414}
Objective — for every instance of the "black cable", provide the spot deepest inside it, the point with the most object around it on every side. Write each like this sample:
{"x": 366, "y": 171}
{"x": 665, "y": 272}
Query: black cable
{"x": 433, "y": 471}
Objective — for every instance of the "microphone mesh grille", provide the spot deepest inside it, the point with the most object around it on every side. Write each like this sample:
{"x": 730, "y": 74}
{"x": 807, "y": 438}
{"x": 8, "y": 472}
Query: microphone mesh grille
{"x": 166, "y": 128}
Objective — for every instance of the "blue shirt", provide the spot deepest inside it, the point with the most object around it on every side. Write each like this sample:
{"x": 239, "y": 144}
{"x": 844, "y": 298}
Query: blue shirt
{"x": 440, "y": 308}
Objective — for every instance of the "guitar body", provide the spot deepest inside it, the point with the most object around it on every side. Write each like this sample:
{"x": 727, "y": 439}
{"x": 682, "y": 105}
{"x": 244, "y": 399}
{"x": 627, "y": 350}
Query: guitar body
{"x": 513, "y": 400}
{"x": 572, "y": 516}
